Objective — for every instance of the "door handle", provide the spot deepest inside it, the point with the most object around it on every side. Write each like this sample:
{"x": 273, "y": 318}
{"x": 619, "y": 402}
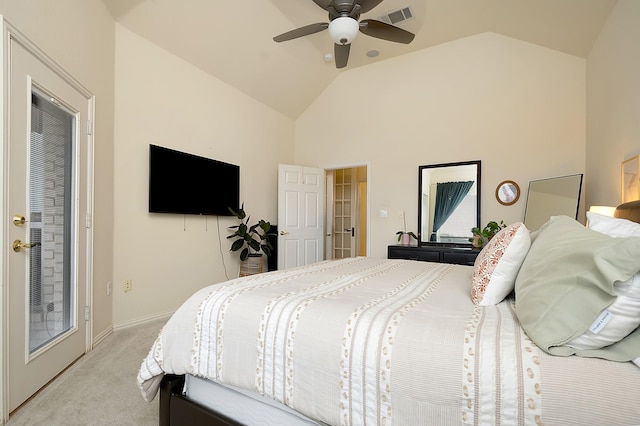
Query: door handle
{"x": 352, "y": 230}
{"x": 284, "y": 233}
{"x": 19, "y": 245}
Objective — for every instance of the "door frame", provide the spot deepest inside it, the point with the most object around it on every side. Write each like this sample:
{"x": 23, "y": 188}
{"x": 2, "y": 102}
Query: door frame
{"x": 366, "y": 164}
{"x": 10, "y": 33}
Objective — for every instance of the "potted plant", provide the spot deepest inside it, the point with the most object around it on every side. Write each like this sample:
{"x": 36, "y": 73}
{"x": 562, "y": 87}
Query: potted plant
{"x": 405, "y": 236}
{"x": 251, "y": 239}
{"x": 482, "y": 236}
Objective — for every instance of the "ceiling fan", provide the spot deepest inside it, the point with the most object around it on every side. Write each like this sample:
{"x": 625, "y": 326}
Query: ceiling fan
{"x": 343, "y": 27}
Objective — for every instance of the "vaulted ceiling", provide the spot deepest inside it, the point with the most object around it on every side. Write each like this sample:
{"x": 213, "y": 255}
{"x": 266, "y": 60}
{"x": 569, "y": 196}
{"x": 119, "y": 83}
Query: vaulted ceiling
{"x": 232, "y": 40}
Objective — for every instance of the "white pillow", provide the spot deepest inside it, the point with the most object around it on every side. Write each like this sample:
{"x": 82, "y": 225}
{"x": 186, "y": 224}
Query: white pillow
{"x": 616, "y": 321}
{"x": 496, "y": 267}
{"x": 612, "y": 226}
{"x": 623, "y": 315}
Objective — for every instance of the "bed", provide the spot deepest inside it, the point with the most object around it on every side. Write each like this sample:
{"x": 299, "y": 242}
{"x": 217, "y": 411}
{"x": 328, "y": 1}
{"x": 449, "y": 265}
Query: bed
{"x": 542, "y": 330}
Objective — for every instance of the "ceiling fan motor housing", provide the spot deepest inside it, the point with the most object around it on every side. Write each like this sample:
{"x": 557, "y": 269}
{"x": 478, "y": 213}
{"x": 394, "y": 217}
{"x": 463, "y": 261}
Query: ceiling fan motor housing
{"x": 343, "y": 30}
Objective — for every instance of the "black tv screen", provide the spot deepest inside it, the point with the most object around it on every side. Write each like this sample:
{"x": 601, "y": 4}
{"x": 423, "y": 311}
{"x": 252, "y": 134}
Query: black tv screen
{"x": 188, "y": 184}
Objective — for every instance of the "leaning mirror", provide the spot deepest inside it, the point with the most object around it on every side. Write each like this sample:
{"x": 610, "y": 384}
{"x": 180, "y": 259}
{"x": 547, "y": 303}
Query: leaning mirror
{"x": 552, "y": 197}
{"x": 449, "y": 202}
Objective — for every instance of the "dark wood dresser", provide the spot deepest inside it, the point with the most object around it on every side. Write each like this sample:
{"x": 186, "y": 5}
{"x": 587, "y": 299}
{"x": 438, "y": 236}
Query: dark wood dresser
{"x": 460, "y": 255}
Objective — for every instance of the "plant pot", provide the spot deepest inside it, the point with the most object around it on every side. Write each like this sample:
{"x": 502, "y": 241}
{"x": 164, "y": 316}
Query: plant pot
{"x": 477, "y": 241}
{"x": 255, "y": 263}
{"x": 406, "y": 240}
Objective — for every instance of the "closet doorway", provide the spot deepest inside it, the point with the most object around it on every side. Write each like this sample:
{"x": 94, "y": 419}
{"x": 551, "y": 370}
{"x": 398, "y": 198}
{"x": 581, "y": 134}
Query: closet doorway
{"x": 347, "y": 212}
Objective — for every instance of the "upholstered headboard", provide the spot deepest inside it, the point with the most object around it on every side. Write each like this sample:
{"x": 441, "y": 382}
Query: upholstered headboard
{"x": 630, "y": 211}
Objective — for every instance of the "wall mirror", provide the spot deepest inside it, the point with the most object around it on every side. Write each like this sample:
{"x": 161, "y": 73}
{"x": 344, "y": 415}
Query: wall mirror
{"x": 449, "y": 202}
{"x": 507, "y": 192}
{"x": 552, "y": 197}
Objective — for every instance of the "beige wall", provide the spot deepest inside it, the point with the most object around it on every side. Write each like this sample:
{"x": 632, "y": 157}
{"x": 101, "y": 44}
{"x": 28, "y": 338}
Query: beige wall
{"x": 613, "y": 108}
{"x": 163, "y": 100}
{"x": 518, "y": 107}
{"x": 79, "y": 36}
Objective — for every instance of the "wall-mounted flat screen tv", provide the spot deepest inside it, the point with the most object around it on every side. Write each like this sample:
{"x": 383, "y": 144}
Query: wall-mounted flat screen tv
{"x": 188, "y": 184}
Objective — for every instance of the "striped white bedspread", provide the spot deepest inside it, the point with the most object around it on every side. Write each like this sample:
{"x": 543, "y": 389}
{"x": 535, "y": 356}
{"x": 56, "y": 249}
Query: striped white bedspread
{"x": 372, "y": 342}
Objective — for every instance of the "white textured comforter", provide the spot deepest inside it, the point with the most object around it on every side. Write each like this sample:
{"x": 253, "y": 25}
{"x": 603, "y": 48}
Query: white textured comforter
{"x": 378, "y": 342}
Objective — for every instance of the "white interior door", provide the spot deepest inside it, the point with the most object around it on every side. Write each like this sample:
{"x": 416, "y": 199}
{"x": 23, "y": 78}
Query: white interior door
{"x": 300, "y": 215}
{"x": 48, "y": 202}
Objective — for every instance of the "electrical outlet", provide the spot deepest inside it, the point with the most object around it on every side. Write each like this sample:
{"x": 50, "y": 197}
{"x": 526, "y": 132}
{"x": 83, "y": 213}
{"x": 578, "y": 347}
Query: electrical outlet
{"x": 128, "y": 286}
{"x": 109, "y": 288}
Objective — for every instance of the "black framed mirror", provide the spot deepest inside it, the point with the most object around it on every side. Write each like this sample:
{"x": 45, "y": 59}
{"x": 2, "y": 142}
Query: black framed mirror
{"x": 552, "y": 197}
{"x": 448, "y": 202}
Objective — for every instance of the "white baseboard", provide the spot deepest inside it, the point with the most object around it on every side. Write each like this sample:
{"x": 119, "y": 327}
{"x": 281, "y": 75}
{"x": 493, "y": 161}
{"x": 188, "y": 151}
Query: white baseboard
{"x": 142, "y": 320}
{"x": 100, "y": 337}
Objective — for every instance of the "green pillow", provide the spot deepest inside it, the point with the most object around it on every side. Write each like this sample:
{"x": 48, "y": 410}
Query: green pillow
{"x": 567, "y": 279}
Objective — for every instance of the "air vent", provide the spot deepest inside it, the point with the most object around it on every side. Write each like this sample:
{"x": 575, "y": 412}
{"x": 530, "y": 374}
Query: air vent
{"x": 397, "y": 16}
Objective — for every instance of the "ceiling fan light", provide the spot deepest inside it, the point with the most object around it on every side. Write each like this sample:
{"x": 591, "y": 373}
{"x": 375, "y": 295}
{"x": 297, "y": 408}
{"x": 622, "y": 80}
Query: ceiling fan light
{"x": 343, "y": 30}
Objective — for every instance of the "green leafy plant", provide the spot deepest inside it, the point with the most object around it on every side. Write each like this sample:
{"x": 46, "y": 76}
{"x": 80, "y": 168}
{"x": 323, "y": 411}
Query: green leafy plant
{"x": 401, "y": 233}
{"x": 252, "y": 239}
{"x": 482, "y": 236}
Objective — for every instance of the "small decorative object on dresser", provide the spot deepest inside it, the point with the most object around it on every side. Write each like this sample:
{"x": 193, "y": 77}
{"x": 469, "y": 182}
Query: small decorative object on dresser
{"x": 403, "y": 236}
{"x": 482, "y": 236}
{"x": 252, "y": 239}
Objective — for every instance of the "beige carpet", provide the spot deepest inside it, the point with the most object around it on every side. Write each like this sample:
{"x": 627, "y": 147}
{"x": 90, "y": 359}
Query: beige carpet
{"x": 99, "y": 389}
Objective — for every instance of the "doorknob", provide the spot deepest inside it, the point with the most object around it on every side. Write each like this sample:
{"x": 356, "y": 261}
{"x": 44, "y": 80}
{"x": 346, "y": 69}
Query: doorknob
{"x": 284, "y": 233}
{"x": 19, "y": 220}
{"x": 19, "y": 245}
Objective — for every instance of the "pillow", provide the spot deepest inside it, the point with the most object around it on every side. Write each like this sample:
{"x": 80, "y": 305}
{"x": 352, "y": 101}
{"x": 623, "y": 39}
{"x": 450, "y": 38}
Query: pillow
{"x": 567, "y": 280}
{"x": 611, "y": 226}
{"x": 616, "y": 321}
{"x": 497, "y": 265}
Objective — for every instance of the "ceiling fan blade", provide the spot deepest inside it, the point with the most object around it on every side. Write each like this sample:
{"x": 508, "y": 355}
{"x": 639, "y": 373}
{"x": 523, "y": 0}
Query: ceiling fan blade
{"x": 384, "y": 31}
{"x": 323, "y": 3}
{"x": 367, "y": 5}
{"x": 301, "y": 32}
{"x": 341, "y": 54}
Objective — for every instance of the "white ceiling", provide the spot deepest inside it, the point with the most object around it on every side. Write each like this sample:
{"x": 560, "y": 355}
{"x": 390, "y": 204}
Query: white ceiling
{"x": 232, "y": 39}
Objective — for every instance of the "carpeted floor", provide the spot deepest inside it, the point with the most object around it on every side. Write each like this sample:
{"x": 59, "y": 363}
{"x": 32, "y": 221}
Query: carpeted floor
{"x": 100, "y": 388}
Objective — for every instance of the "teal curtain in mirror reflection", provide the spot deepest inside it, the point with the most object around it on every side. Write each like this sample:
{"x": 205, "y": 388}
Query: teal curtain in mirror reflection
{"x": 448, "y": 196}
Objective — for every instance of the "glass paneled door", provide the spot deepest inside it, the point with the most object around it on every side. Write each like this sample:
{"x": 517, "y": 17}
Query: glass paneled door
{"x": 343, "y": 209}
{"x": 51, "y": 292}
{"x": 347, "y": 212}
{"x": 48, "y": 233}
